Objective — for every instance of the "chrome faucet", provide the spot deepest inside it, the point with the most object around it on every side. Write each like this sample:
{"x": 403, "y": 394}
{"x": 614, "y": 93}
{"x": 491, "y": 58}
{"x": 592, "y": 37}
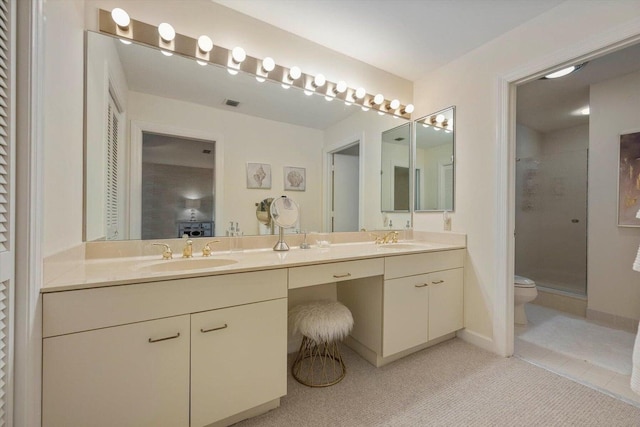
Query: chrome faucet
{"x": 166, "y": 253}
{"x": 187, "y": 251}
{"x": 206, "y": 251}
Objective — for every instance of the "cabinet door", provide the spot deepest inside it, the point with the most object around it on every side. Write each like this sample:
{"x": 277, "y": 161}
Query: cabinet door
{"x": 238, "y": 359}
{"x": 118, "y": 377}
{"x": 445, "y": 302}
{"x": 405, "y": 318}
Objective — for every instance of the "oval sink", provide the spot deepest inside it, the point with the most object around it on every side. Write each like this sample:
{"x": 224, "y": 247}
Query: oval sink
{"x": 186, "y": 264}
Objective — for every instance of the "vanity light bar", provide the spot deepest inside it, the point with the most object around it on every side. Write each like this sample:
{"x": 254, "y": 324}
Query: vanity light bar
{"x": 147, "y": 34}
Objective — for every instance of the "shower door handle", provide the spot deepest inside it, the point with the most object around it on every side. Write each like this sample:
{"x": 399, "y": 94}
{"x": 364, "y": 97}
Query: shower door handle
{"x": 575, "y": 220}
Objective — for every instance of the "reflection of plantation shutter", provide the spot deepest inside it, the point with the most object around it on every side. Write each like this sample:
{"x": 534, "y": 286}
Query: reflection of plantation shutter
{"x": 7, "y": 210}
{"x": 112, "y": 178}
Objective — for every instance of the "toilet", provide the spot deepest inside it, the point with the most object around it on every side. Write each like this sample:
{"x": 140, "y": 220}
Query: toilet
{"x": 524, "y": 291}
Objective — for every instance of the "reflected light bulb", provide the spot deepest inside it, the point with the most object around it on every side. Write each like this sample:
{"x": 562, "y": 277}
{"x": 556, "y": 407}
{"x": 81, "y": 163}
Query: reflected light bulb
{"x": 165, "y": 53}
{"x": 203, "y": 63}
{"x": 440, "y": 118}
{"x": 328, "y": 98}
{"x": 232, "y": 71}
{"x": 123, "y": 41}
{"x": 121, "y": 18}
{"x": 308, "y": 92}
{"x": 260, "y": 79}
{"x": 285, "y": 86}
{"x": 365, "y": 108}
{"x": 166, "y": 31}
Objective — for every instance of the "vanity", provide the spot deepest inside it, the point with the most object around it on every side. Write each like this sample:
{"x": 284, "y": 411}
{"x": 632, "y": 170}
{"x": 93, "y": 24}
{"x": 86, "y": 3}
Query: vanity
{"x": 129, "y": 344}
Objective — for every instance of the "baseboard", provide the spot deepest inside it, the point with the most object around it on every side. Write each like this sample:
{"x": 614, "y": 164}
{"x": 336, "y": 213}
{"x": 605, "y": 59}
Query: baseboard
{"x": 576, "y": 305}
{"x": 479, "y": 340}
{"x": 612, "y": 320}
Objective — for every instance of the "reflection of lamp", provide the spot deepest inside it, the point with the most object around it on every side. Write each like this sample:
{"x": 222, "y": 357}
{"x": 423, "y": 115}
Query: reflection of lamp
{"x": 192, "y": 204}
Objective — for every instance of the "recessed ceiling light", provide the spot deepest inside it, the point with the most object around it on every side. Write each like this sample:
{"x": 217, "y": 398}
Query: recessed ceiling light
{"x": 563, "y": 72}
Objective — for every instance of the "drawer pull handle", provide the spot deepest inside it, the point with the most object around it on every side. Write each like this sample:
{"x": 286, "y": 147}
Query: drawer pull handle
{"x": 152, "y": 340}
{"x": 437, "y": 282}
{"x": 204, "y": 331}
{"x": 424, "y": 285}
{"x": 341, "y": 276}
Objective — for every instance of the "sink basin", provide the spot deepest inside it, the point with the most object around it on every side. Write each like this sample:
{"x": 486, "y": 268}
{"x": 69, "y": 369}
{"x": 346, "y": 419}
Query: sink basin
{"x": 186, "y": 264}
{"x": 402, "y": 246}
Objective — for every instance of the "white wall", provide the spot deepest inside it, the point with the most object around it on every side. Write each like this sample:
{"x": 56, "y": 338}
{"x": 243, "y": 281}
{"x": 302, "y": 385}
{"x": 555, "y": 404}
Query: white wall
{"x": 63, "y": 132}
{"x": 245, "y": 139}
{"x": 471, "y": 84}
{"x": 613, "y": 287}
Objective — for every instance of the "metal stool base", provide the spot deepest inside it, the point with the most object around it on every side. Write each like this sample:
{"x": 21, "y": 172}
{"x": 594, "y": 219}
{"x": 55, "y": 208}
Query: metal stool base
{"x": 318, "y": 364}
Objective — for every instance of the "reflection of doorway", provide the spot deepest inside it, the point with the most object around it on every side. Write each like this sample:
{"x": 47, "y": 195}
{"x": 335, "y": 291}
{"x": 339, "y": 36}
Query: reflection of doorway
{"x": 445, "y": 184}
{"x": 345, "y": 188}
{"x": 400, "y": 186}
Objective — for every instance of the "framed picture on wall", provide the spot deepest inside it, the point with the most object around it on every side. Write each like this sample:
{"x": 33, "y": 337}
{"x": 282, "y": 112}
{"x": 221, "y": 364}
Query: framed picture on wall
{"x": 258, "y": 175}
{"x": 629, "y": 180}
{"x": 295, "y": 179}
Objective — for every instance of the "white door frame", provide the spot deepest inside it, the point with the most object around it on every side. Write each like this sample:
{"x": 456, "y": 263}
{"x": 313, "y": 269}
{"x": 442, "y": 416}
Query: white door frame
{"x": 616, "y": 38}
{"x": 135, "y": 170}
{"x": 327, "y": 152}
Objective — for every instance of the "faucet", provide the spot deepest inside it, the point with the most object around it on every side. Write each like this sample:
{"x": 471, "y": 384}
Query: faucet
{"x": 166, "y": 252}
{"x": 206, "y": 251}
{"x": 390, "y": 237}
{"x": 187, "y": 251}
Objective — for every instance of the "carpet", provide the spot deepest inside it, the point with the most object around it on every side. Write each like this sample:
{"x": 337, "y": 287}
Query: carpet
{"x": 451, "y": 384}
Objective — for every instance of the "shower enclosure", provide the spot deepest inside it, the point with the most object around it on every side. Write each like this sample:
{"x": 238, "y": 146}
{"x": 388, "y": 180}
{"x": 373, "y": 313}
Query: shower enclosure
{"x": 551, "y": 219}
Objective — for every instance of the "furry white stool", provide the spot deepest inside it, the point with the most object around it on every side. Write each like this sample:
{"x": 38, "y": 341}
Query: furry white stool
{"x": 322, "y": 324}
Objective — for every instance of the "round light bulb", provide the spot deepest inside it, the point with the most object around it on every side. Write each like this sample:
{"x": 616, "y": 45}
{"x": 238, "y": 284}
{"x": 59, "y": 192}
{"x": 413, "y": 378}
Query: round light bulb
{"x": 295, "y": 73}
{"x": 360, "y": 93}
{"x": 439, "y": 118}
{"x": 238, "y": 54}
{"x": 268, "y": 64}
{"x": 378, "y": 99}
{"x": 328, "y": 98}
{"x": 166, "y": 31}
{"x": 561, "y": 73}
{"x": 365, "y": 108}
{"x": 260, "y": 79}
{"x": 308, "y": 92}
{"x": 409, "y": 108}
{"x": 341, "y": 86}
{"x": 232, "y": 71}
{"x": 205, "y": 43}
{"x": 165, "y": 53}
{"x": 120, "y": 17}
{"x": 395, "y": 104}
{"x": 319, "y": 80}
{"x": 203, "y": 63}
{"x": 285, "y": 86}
{"x": 123, "y": 41}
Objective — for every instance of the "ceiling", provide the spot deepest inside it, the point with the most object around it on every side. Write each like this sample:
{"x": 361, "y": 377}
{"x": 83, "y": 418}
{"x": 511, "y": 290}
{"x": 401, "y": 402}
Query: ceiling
{"x": 408, "y": 38}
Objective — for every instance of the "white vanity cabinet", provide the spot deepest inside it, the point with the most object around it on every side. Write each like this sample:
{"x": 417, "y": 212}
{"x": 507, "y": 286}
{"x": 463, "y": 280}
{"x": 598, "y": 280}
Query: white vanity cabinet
{"x": 422, "y": 299}
{"x": 136, "y": 355}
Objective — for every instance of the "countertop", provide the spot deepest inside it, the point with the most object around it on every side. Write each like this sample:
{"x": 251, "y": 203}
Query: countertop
{"x": 103, "y": 272}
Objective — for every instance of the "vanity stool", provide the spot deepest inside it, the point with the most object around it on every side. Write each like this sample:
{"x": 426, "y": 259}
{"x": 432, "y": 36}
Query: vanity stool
{"x": 322, "y": 324}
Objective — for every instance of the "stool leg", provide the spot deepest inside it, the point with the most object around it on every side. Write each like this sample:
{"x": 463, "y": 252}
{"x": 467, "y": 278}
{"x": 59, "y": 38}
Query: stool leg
{"x": 318, "y": 364}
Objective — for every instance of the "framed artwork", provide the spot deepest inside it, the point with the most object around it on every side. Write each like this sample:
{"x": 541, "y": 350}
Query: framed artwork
{"x": 258, "y": 175}
{"x": 629, "y": 180}
{"x": 295, "y": 179}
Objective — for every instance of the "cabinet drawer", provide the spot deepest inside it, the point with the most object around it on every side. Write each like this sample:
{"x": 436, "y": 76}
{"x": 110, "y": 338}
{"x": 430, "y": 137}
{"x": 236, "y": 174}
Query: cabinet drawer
{"x": 81, "y": 310}
{"x": 334, "y": 272}
{"x": 410, "y": 265}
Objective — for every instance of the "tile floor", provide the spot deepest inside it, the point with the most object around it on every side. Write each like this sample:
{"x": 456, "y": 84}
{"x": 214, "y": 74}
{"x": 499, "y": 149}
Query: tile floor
{"x": 579, "y": 368}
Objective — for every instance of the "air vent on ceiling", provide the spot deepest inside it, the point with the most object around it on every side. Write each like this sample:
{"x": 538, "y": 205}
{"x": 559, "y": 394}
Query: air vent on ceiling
{"x": 231, "y": 102}
{"x": 206, "y": 151}
{"x": 399, "y": 139}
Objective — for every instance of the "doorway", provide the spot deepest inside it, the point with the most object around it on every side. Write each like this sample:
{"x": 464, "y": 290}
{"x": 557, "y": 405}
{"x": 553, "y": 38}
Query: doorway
{"x": 345, "y": 188}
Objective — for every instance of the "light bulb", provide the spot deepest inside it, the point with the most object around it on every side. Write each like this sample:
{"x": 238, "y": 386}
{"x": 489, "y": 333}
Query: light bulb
{"x": 319, "y": 80}
{"x": 285, "y": 86}
{"x": 561, "y": 73}
{"x": 166, "y": 31}
{"x": 295, "y": 73}
{"x": 341, "y": 86}
{"x": 123, "y": 41}
{"x": 121, "y": 18}
{"x": 381, "y": 113}
{"x": 365, "y": 108}
{"x": 238, "y": 54}
{"x": 408, "y": 109}
{"x": 347, "y": 103}
{"x": 203, "y": 63}
{"x": 268, "y": 64}
{"x": 395, "y": 104}
{"x": 165, "y": 53}
{"x": 436, "y": 128}
{"x": 205, "y": 44}
{"x": 328, "y": 98}
{"x": 425, "y": 125}
{"x": 232, "y": 71}
{"x": 439, "y": 118}
{"x": 308, "y": 92}
{"x": 360, "y": 93}
{"x": 378, "y": 99}
{"x": 260, "y": 79}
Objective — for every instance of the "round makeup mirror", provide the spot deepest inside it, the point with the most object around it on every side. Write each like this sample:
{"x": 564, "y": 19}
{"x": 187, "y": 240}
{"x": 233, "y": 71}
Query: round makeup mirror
{"x": 284, "y": 213}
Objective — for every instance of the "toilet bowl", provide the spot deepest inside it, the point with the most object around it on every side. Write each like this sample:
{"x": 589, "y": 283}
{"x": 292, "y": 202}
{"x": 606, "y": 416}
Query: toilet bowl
{"x": 524, "y": 291}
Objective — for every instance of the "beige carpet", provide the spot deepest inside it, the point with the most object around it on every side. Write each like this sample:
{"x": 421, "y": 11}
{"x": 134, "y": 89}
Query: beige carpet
{"x": 451, "y": 384}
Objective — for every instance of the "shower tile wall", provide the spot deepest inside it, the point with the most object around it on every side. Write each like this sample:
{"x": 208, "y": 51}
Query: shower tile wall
{"x": 551, "y": 200}
{"x": 164, "y": 190}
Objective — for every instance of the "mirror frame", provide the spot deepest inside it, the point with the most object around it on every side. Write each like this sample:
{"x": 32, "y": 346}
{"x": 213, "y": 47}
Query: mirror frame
{"x": 414, "y": 143}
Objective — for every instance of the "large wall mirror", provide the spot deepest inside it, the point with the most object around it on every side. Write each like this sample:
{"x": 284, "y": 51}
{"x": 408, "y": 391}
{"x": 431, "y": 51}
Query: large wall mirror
{"x": 435, "y": 161}
{"x": 175, "y": 147}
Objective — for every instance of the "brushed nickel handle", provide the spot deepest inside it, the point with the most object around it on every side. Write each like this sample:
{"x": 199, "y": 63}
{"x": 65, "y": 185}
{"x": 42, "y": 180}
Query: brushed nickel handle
{"x": 424, "y": 285}
{"x": 152, "y": 340}
{"x": 204, "y": 331}
{"x": 341, "y": 276}
{"x": 437, "y": 282}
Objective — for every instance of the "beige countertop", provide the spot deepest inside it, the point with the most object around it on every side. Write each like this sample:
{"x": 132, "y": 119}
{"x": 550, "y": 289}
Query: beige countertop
{"x": 93, "y": 273}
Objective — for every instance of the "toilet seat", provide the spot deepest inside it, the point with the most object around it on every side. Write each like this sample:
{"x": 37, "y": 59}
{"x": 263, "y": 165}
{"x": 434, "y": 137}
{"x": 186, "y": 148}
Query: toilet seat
{"x": 523, "y": 282}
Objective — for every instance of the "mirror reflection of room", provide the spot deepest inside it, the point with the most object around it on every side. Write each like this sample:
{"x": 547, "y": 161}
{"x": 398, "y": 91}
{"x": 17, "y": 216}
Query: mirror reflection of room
{"x": 395, "y": 171}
